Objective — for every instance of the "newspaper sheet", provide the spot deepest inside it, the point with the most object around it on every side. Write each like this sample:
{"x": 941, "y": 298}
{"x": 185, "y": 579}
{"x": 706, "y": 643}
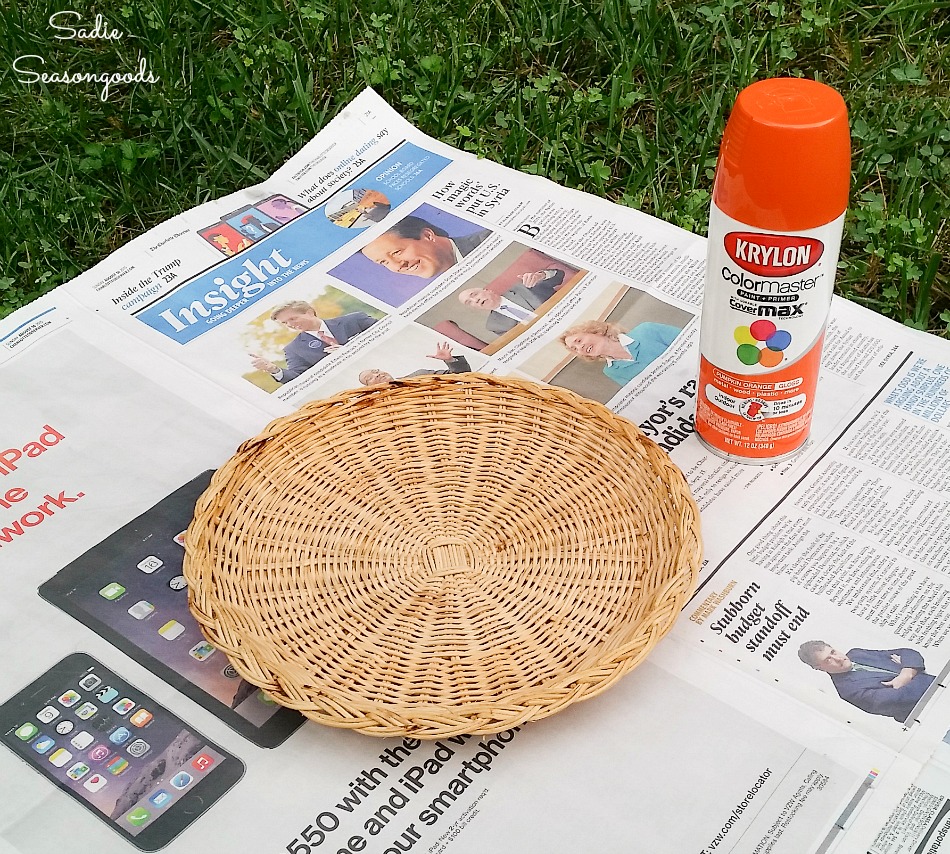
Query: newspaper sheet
{"x": 379, "y": 253}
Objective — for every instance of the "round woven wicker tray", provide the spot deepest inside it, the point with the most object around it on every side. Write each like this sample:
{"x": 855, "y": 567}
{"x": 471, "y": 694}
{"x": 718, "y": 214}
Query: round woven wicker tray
{"x": 442, "y": 555}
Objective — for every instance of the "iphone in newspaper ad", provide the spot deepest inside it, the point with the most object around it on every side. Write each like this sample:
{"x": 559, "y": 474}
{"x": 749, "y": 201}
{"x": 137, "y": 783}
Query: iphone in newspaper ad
{"x": 129, "y": 589}
{"x": 138, "y": 767}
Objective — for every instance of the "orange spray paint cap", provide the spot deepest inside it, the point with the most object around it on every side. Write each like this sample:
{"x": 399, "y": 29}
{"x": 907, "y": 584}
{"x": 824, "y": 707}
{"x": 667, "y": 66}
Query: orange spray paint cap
{"x": 785, "y": 159}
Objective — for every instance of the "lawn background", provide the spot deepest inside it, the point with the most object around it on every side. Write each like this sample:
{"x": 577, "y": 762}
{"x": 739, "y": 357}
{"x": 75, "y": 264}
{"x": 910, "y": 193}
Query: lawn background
{"x": 625, "y": 100}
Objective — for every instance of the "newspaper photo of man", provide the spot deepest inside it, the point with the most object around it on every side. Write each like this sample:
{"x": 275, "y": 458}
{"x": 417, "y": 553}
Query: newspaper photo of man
{"x": 507, "y": 307}
{"x": 887, "y": 682}
{"x": 503, "y": 298}
{"x": 443, "y": 353}
{"x": 401, "y": 261}
{"x": 316, "y": 339}
{"x": 416, "y": 247}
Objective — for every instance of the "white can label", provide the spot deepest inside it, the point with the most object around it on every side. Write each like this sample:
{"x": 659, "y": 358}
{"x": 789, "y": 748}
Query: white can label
{"x": 767, "y": 293}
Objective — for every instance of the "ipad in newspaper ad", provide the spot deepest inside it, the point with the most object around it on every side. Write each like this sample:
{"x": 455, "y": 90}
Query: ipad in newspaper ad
{"x": 134, "y": 764}
{"x": 130, "y": 590}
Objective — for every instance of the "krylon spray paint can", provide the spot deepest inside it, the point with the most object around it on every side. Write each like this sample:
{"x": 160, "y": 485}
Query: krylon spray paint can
{"x": 779, "y": 198}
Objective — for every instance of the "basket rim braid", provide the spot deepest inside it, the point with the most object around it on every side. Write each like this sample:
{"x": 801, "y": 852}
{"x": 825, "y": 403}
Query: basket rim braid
{"x": 442, "y": 555}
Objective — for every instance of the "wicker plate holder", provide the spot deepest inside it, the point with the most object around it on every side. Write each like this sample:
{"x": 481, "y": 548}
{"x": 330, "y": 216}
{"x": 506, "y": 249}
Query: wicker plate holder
{"x": 442, "y": 555}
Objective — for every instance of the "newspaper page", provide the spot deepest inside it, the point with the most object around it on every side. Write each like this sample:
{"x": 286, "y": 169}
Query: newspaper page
{"x": 96, "y": 437}
{"x": 376, "y": 254}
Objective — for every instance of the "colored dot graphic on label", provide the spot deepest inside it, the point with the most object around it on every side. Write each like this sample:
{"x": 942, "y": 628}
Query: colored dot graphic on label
{"x": 748, "y": 354}
{"x": 744, "y": 336}
{"x": 779, "y": 340}
{"x": 761, "y": 343}
{"x": 762, "y": 330}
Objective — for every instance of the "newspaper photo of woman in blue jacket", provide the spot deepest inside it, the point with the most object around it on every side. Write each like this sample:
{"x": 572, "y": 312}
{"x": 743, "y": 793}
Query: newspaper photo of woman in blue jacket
{"x": 624, "y": 354}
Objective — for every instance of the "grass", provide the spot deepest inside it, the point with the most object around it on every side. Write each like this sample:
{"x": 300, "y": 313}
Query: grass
{"x": 625, "y": 99}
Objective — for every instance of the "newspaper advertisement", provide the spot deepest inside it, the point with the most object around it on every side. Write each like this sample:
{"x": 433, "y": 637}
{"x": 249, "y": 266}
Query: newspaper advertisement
{"x": 798, "y": 705}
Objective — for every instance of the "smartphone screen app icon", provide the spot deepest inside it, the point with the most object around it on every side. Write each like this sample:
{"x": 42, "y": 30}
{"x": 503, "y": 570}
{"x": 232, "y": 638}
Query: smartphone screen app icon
{"x": 78, "y": 771}
{"x": 26, "y": 731}
{"x": 182, "y": 780}
{"x": 142, "y": 718}
{"x": 202, "y": 762}
{"x": 69, "y": 699}
{"x": 138, "y": 816}
{"x": 107, "y": 694}
{"x": 86, "y": 711}
{"x": 43, "y": 744}
{"x": 47, "y": 714}
{"x": 124, "y": 706}
{"x": 81, "y": 740}
{"x": 120, "y": 735}
{"x": 95, "y": 783}
{"x": 138, "y": 748}
{"x": 90, "y": 682}
{"x": 117, "y": 765}
{"x": 99, "y": 752}
{"x": 60, "y": 757}
{"x": 160, "y": 798}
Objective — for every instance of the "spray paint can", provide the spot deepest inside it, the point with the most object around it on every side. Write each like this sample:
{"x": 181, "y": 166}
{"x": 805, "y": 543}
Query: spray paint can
{"x": 777, "y": 213}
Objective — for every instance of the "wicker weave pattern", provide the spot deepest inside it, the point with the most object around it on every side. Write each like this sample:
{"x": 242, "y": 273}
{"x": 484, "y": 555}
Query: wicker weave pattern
{"x": 442, "y": 555}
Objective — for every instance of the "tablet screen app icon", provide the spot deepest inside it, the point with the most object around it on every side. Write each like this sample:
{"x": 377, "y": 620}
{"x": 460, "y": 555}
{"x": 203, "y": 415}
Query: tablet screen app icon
{"x": 201, "y": 651}
{"x": 150, "y": 564}
{"x": 171, "y": 630}
{"x": 112, "y": 591}
{"x": 140, "y": 610}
